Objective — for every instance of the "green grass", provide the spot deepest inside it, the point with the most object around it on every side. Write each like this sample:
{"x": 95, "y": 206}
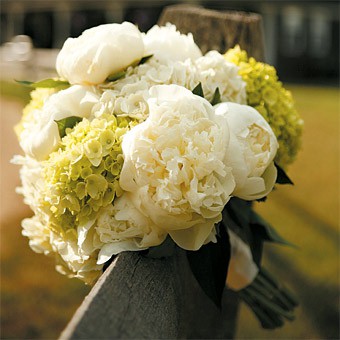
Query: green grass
{"x": 38, "y": 302}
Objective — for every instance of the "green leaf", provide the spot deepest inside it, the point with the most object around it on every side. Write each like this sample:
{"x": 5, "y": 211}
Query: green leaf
{"x": 209, "y": 265}
{"x": 116, "y": 76}
{"x": 263, "y": 229}
{"x": 45, "y": 83}
{"x": 240, "y": 211}
{"x": 67, "y": 123}
{"x": 237, "y": 216}
{"x": 166, "y": 249}
{"x": 24, "y": 82}
{"x": 282, "y": 177}
{"x": 145, "y": 59}
{"x": 198, "y": 90}
{"x": 217, "y": 97}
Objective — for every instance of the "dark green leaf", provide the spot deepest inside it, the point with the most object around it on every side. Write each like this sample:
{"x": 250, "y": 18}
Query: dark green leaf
{"x": 237, "y": 216}
{"x": 217, "y": 97}
{"x": 166, "y": 249}
{"x": 263, "y": 229}
{"x": 45, "y": 83}
{"x": 209, "y": 265}
{"x": 116, "y": 76}
{"x": 198, "y": 90}
{"x": 240, "y": 211}
{"x": 24, "y": 82}
{"x": 262, "y": 199}
{"x": 145, "y": 59}
{"x": 66, "y": 123}
{"x": 282, "y": 177}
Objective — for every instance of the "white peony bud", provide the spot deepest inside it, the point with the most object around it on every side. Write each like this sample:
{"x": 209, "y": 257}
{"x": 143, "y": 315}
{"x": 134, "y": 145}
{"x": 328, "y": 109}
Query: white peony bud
{"x": 251, "y": 151}
{"x": 99, "y": 52}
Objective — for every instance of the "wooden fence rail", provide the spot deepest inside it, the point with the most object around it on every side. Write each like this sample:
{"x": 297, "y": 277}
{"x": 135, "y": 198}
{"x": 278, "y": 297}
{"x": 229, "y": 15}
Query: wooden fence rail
{"x": 140, "y": 297}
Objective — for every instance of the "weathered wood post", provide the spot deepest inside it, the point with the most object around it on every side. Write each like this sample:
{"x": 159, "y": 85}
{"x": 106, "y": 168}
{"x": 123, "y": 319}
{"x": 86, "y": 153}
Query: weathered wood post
{"x": 140, "y": 297}
{"x": 218, "y": 30}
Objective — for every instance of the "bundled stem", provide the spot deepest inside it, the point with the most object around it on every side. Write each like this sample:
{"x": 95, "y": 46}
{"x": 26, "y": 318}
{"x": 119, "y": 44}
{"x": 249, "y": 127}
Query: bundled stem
{"x": 270, "y": 302}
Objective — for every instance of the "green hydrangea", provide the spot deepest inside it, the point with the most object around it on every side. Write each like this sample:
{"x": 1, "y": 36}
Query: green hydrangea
{"x": 267, "y": 95}
{"x": 82, "y": 176}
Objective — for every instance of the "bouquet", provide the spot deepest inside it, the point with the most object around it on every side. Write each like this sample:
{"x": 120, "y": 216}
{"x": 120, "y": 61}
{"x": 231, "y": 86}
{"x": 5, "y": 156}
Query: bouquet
{"x": 142, "y": 143}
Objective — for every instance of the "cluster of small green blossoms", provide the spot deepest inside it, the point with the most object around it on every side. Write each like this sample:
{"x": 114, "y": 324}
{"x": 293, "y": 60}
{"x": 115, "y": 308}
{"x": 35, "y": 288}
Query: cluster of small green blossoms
{"x": 38, "y": 97}
{"x": 82, "y": 176}
{"x": 267, "y": 95}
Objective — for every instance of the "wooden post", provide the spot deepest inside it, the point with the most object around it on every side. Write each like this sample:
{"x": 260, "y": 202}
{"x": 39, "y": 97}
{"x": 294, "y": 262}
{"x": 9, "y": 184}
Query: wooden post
{"x": 140, "y": 297}
{"x": 218, "y": 30}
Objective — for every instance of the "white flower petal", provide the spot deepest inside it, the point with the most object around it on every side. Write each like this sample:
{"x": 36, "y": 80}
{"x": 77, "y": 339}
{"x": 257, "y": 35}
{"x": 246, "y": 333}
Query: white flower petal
{"x": 166, "y": 43}
{"x": 99, "y": 52}
{"x": 42, "y": 137}
{"x": 252, "y": 148}
{"x": 110, "y": 249}
{"x": 193, "y": 238}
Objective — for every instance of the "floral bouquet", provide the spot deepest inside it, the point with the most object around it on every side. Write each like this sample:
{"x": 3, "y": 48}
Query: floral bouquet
{"x": 144, "y": 144}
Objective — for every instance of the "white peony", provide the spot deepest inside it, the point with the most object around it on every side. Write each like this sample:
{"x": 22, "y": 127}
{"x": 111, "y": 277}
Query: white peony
{"x": 241, "y": 270}
{"x": 166, "y": 43}
{"x": 213, "y": 71}
{"x": 128, "y": 95}
{"x": 41, "y": 136}
{"x": 173, "y": 165}
{"x": 252, "y": 148}
{"x": 122, "y": 227}
{"x": 71, "y": 260}
{"x": 99, "y": 52}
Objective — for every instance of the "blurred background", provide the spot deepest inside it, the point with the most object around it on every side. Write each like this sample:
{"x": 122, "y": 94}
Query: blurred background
{"x": 302, "y": 42}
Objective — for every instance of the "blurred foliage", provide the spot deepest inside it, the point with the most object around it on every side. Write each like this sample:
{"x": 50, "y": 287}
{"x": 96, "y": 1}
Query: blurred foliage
{"x": 37, "y": 302}
{"x": 15, "y": 91}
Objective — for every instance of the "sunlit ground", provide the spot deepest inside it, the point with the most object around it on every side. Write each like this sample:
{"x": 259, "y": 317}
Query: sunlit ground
{"x": 37, "y": 302}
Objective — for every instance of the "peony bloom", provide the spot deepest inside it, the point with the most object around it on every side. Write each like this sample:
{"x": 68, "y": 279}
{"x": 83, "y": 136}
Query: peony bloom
{"x": 41, "y": 136}
{"x": 99, "y": 52}
{"x": 166, "y": 43}
{"x": 241, "y": 270}
{"x": 251, "y": 151}
{"x": 214, "y": 71}
{"x": 173, "y": 165}
{"x": 122, "y": 227}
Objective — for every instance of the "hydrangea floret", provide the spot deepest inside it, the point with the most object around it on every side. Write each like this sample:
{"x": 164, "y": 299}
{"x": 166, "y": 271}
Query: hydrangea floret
{"x": 268, "y": 96}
